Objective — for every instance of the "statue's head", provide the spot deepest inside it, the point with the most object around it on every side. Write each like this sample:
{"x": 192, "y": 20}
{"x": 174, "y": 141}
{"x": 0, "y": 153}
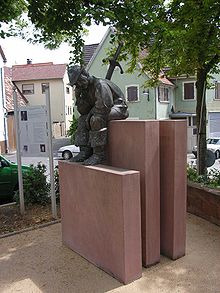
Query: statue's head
{"x": 76, "y": 73}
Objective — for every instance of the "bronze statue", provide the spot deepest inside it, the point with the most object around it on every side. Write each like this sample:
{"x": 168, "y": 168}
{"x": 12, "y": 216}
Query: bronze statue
{"x": 98, "y": 101}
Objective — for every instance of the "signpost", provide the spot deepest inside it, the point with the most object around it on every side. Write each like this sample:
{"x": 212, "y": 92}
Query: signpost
{"x": 50, "y": 152}
{"x": 34, "y": 139}
{"x": 33, "y": 125}
{"x": 17, "y": 130}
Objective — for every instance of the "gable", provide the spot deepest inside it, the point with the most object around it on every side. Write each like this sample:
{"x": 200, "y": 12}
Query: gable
{"x": 22, "y": 101}
{"x": 88, "y": 52}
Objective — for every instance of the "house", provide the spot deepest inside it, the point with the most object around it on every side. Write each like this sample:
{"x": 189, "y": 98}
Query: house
{"x": 3, "y": 127}
{"x": 31, "y": 80}
{"x": 185, "y": 101}
{"x": 173, "y": 98}
{"x": 143, "y": 102}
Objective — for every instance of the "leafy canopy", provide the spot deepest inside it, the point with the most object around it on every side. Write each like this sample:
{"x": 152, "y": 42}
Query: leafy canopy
{"x": 183, "y": 35}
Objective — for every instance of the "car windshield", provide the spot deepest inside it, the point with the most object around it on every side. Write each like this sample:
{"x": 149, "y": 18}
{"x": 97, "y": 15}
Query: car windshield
{"x": 213, "y": 141}
{"x": 4, "y": 162}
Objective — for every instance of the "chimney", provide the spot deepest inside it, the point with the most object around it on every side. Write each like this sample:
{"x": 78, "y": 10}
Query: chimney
{"x": 29, "y": 61}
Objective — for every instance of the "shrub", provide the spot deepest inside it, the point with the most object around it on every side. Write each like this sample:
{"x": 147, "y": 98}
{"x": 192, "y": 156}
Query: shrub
{"x": 72, "y": 130}
{"x": 211, "y": 179}
{"x": 35, "y": 185}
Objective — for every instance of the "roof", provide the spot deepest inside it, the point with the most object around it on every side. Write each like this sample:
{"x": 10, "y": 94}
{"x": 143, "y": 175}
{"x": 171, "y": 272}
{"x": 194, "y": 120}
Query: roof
{"x": 110, "y": 30}
{"x": 22, "y": 101}
{"x": 38, "y": 71}
{"x": 179, "y": 115}
{"x": 3, "y": 55}
{"x": 88, "y": 52}
{"x": 166, "y": 81}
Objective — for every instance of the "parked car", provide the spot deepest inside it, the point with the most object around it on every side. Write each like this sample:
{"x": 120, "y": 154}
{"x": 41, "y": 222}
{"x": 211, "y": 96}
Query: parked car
{"x": 68, "y": 151}
{"x": 9, "y": 179}
{"x": 213, "y": 144}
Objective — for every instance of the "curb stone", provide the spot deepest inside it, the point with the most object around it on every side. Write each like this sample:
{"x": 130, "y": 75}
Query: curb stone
{"x": 29, "y": 229}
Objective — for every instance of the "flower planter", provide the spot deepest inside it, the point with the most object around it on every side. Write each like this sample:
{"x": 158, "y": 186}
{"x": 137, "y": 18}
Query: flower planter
{"x": 204, "y": 202}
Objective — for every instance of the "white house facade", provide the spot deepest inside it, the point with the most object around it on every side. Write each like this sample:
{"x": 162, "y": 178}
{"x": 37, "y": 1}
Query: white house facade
{"x": 31, "y": 80}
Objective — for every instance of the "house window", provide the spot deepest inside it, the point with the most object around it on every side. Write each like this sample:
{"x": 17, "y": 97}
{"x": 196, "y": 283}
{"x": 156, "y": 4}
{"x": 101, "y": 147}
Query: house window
{"x": 163, "y": 94}
{"x": 132, "y": 93}
{"x": 189, "y": 90}
{"x": 43, "y": 87}
{"x": 192, "y": 121}
{"x": 217, "y": 91}
{"x": 27, "y": 89}
{"x": 67, "y": 90}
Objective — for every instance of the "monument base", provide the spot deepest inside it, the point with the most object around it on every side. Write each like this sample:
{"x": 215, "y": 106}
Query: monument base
{"x": 138, "y": 142}
{"x": 100, "y": 216}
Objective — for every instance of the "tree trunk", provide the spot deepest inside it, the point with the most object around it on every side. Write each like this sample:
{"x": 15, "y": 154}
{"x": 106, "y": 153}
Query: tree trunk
{"x": 201, "y": 121}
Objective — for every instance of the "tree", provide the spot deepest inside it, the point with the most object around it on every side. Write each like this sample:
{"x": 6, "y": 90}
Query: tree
{"x": 11, "y": 10}
{"x": 72, "y": 129}
{"x": 181, "y": 35}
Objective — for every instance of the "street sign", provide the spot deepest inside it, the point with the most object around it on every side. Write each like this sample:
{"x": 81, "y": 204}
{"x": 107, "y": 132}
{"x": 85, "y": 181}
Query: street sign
{"x": 33, "y": 131}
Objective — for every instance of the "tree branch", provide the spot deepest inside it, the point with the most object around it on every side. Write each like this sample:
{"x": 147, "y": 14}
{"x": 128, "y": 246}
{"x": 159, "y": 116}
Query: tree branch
{"x": 212, "y": 62}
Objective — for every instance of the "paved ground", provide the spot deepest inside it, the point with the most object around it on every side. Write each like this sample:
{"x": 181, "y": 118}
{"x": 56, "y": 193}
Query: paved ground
{"x": 37, "y": 261}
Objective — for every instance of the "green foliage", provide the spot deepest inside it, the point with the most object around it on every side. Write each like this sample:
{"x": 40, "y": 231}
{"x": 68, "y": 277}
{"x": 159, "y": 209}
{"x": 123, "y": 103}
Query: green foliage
{"x": 72, "y": 130}
{"x": 211, "y": 179}
{"x": 11, "y": 9}
{"x": 183, "y": 35}
{"x": 36, "y": 187}
{"x": 180, "y": 35}
{"x": 10, "y": 17}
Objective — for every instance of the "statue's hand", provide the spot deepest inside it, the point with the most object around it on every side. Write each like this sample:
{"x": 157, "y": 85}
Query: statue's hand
{"x": 88, "y": 119}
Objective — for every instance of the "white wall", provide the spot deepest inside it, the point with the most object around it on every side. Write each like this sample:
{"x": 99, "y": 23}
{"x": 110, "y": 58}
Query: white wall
{"x": 2, "y": 96}
{"x": 59, "y": 99}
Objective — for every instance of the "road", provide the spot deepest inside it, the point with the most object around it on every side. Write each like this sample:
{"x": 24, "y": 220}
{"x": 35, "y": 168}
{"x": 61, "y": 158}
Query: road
{"x": 61, "y": 142}
{"x": 56, "y": 144}
{"x": 192, "y": 161}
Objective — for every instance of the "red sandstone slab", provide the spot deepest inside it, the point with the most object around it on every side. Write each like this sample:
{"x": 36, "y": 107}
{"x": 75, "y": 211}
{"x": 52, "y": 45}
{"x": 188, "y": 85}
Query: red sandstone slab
{"x": 173, "y": 156}
{"x": 100, "y": 212}
{"x": 134, "y": 144}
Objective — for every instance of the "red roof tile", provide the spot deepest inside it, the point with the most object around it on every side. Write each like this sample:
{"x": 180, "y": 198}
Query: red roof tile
{"x": 38, "y": 71}
{"x": 165, "y": 80}
{"x": 22, "y": 101}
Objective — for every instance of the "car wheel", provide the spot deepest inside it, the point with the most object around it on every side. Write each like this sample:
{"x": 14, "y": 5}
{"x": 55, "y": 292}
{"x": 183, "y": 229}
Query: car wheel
{"x": 217, "y": 154}
{"x": 67, "y": 155}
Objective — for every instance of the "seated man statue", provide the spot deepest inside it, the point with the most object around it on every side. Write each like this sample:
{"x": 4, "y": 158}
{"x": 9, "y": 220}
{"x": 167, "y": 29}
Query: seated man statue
{"x": 98, "y": 101}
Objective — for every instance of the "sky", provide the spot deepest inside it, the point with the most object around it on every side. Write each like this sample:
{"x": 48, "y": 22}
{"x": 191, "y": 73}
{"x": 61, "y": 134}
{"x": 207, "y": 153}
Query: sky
{"x": 17, "y": 51}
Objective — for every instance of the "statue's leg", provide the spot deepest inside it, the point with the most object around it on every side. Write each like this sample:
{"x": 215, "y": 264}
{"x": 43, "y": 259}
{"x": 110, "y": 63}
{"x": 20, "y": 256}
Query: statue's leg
{"x": 98, "y": 140}
{"x": 82, "y": 140}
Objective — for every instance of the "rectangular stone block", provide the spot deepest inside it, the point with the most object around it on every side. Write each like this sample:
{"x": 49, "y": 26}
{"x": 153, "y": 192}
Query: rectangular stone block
{"x": 134, "y": 144}
{"x": 100, "y": 216}
{"x": 173, "y": 160}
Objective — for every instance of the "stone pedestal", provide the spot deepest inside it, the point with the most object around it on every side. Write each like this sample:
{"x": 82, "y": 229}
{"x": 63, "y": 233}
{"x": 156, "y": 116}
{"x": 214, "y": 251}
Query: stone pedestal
{"x": 100, "y": 211}
{"x": 173, "y": 154}
{"x": 134, "y": 144}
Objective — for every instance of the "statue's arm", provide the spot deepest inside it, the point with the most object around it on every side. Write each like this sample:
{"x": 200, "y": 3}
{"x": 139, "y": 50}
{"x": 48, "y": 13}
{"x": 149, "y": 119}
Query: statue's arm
{"x": 104, "y": 98}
